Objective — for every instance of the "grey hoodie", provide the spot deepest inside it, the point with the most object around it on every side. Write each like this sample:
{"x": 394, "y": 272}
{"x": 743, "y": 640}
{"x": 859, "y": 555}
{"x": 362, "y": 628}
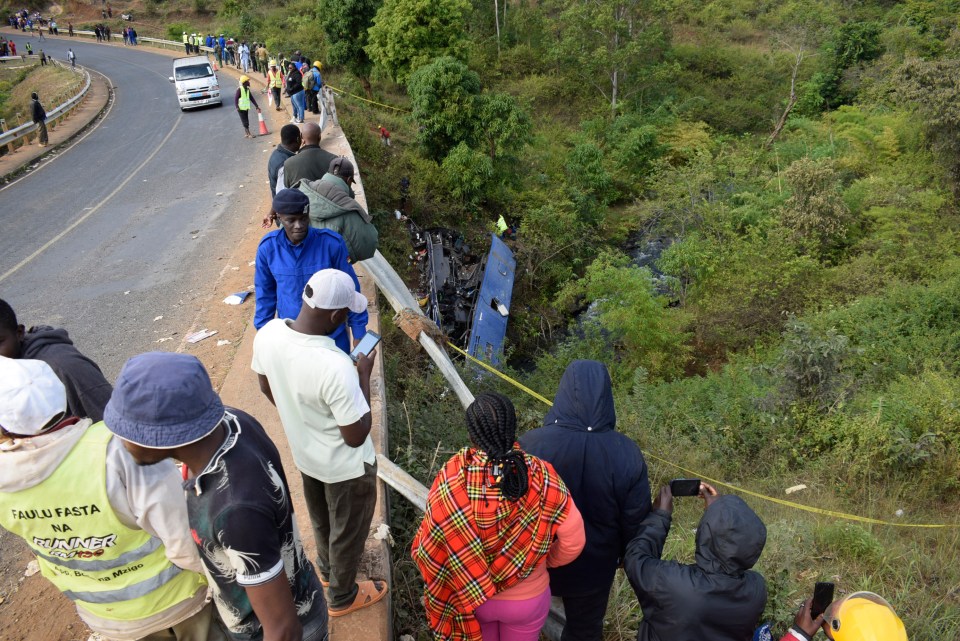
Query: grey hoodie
{"x": 717, "y": 599}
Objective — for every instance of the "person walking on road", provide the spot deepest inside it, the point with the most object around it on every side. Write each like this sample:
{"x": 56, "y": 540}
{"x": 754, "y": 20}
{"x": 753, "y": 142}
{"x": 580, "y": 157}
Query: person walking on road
{"x": 294, "y": 82}
{"x": 39, "y": 117}
{"x": 72, "y": 57}
{"x": 243, "y": 99}
{"x": 237, "y": 498}
{"x": 275, "y": 83}
{"x": 323, "y": 399}
{"x": 244, "y": 52}
{"x": 108, "y": 533}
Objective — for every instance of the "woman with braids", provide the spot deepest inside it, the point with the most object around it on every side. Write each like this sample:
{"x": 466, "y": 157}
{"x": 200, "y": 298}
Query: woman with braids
{"x": 496, "y": 518}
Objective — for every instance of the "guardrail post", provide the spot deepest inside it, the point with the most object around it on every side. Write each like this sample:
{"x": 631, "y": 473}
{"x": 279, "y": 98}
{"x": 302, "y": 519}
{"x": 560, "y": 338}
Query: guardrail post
{"x": 5, "y": 149}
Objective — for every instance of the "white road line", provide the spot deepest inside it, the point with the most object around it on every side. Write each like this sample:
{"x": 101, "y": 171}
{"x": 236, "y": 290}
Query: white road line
{"x": 95, "y": 209}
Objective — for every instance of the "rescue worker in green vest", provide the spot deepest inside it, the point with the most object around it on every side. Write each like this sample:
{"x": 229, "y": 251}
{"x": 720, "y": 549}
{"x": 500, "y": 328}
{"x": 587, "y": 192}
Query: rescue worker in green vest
{"x": 275, "y": 83}
{"x": 186, "y": 42}
{"x": 111, "y": 535}
{"x": 242, "y": 100}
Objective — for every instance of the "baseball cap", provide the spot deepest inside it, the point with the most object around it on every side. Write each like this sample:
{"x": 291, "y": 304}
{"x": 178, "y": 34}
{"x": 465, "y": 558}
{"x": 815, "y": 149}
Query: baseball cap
{"x": 31, "y": 396}
{"x": 341, "y": 166}
{"x": 291, "y": 201}
{"x": 333, "y": 289}
{"x": 163, "y": 400}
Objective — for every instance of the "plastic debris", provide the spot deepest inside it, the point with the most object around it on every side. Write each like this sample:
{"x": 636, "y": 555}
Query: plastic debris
{"x": 382, "y": 533}
{"x": 165, "y": 339}
{"x": 32, "y": 568}
{"x": 196, "y": 337}
{"x": 157, "y": 318}
{"x": 223, "y": 342}
{"x": 795, "y": 488}
{"x": 236, "y": 299}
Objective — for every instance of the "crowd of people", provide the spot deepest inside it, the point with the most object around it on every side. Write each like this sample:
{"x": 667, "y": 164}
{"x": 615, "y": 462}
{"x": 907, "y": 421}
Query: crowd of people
{"x": 212, "y": 551}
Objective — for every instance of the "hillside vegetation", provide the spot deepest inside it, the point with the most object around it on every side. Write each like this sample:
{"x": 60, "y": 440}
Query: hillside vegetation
{"x": 799, "y": 161}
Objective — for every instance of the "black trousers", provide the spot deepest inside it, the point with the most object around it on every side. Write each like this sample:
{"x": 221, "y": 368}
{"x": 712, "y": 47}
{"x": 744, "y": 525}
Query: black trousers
{"x": 585, "y": 616}
{"x": 244, "y": 118}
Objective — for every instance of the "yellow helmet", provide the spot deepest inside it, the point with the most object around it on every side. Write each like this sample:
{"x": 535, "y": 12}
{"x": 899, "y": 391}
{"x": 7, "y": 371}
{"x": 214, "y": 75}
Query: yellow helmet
{"x": 244, "y": 79}
{"x": 273, "y": 63}
{"x": 316, "y": 63}
{"x": 865, "y": 616}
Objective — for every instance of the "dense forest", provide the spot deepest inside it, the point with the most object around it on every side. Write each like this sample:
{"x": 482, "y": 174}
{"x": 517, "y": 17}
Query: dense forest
{"x": 746, "y": 208}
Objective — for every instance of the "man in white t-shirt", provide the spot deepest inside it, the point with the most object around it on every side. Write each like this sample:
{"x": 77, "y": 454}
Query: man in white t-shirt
{"x": 323, "y": 399}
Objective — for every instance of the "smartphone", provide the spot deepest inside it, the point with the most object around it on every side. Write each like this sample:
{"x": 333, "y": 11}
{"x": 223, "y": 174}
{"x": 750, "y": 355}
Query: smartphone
{"x": 822, "y": 598}
{"x": 366, "y": 345}
{"x": 685, "y": 487}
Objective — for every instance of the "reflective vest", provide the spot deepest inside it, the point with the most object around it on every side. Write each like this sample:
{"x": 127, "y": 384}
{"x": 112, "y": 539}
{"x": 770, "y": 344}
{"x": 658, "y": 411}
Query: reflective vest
{"x": 186, "y": 39}
{"x": 110, "y": 570}
{"x": 274, "y": 79}
{"x": 244, "y": 103}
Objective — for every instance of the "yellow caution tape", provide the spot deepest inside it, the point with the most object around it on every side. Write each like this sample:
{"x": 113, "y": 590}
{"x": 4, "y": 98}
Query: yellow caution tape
{"x": 694, "y": 474}
{"x": 379, "y": 104}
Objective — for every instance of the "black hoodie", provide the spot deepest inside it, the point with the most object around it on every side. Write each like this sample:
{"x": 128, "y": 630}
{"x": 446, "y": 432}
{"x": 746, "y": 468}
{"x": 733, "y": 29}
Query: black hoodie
{"x": 603, "y": 469}
{"x": 719, "y": 598}
{"x": 87, "y": 389}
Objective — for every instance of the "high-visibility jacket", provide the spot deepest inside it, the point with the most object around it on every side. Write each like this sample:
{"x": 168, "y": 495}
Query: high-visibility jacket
{"x": 108, "y": 569}
{"x": 186, "y": 39}
{"x": 244, "y": 103}
{"x": 275, "y": 79}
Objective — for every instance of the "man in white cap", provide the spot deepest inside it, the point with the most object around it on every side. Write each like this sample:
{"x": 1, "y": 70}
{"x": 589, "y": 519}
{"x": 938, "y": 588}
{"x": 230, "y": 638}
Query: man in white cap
{"x": 109, "y": 534}
{"x": 323, "y": 399}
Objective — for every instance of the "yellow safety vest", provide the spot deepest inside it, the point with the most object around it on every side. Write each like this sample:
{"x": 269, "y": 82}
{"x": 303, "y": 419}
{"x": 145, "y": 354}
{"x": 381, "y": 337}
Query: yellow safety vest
{"x": 110, "y": 570}
{"x": 244, "y": 103}
{"x": 186, "y": 39}
{"x": 274, "y": 79}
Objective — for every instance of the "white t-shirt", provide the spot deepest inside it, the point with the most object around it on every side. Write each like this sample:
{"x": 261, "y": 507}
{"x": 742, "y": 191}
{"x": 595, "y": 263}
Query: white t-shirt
{"x": 316, "y": 389}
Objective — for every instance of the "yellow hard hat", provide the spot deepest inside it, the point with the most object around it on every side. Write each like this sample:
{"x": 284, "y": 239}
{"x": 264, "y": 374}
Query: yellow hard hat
{"x": 244, "y": 79}
{"x": 316, "y": 63}
{"x": 865, "y": 616}
{"x": 273, "y": 63}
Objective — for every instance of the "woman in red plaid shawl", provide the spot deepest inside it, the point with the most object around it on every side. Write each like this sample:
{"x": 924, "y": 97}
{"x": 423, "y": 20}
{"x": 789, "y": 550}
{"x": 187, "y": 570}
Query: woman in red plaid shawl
{"x": 496, "y": 519}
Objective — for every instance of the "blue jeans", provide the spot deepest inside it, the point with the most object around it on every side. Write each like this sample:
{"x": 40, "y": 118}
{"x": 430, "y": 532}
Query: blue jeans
{"x": 297, "y": 100}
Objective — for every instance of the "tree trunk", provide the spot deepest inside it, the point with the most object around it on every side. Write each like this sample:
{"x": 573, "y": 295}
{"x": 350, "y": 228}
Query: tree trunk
{"x": 367, "y": 89}
{"x": 790, "y": 102}
{"x": 496, "y": 20}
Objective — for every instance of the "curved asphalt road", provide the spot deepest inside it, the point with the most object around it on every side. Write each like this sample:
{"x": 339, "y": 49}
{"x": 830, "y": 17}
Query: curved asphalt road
{"x": 149, "y": 179}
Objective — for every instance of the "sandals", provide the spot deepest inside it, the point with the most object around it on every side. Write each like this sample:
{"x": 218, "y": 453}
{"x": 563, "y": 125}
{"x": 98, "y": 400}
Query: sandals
{"x": 367, "y": 594}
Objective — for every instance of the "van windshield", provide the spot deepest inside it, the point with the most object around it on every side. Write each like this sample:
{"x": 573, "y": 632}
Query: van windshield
{"x": 191, "y": 72}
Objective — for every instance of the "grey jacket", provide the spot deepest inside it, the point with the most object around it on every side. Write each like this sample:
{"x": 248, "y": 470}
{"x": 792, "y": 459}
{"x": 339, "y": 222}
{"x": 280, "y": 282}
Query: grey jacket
{"x": 332, "y": 207}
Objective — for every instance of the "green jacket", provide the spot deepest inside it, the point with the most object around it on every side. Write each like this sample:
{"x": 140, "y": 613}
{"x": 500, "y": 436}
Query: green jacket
{"x": 332, "y": 207}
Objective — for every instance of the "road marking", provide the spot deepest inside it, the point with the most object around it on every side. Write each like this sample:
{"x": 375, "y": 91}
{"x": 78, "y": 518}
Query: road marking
{"x": 95, "y": 209}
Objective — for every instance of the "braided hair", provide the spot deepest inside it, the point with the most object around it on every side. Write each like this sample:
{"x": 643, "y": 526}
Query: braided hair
{"x": 492, "y": 425}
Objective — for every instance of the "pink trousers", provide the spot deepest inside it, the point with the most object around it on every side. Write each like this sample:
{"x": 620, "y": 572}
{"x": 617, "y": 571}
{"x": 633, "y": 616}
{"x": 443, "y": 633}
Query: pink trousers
{"x": 502, "y": 620}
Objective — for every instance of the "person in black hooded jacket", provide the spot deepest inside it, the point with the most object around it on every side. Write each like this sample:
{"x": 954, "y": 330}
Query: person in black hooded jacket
{"x": 606, "y": 474}
{"x": 718, "y": 598}
{"x": 87, "y": 389}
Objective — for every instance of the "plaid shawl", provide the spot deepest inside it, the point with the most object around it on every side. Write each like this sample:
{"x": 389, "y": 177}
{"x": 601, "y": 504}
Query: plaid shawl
{"x": 473, "y": 543}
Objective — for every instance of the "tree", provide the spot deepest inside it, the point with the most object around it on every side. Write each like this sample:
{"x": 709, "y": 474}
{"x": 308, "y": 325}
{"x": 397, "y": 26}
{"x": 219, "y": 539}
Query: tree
{"x": 611, "y": 45}
{"x": 346, "y": 22}
{"x": 407, "y": 34}
{"x": 442, "y": 96}
{"x": 931, "y": 89}
{"x": 815, "y": 213}
{"x": 503, "y": 125}
{"x": 468, "y": 173}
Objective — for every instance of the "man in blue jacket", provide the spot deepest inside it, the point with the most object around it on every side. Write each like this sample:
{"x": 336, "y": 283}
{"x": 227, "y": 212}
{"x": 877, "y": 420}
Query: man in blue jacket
{"x": 288, "y": 257}
{"x": 607, "y": 477}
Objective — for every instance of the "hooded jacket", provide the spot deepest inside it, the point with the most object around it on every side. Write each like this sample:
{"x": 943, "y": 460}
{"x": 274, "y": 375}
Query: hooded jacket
{"x": 719, "y": 597}
{"x": 603, "y": 469}
{"x": 87, "y": 389}
{"x": 332, "y": 207}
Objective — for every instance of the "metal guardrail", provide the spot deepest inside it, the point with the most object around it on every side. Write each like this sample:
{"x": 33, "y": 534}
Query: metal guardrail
{"x": 156, "y": 42}
{"x": 59, "y": 112}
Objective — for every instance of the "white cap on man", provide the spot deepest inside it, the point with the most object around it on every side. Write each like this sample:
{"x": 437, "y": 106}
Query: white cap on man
{"x": 333, "y": 289}
{"x": 31, "y": 396}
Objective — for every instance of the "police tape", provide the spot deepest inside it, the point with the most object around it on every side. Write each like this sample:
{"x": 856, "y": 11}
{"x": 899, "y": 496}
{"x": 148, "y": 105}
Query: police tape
{"x": 695, "y": 474}
{"x": 372, "y": 102}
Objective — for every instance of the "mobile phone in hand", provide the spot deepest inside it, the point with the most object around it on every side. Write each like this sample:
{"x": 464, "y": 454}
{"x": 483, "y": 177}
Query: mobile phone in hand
{"x": 822, "y": 598}
{"x": 685, "y": 487}
{"x": 366, "y": 345}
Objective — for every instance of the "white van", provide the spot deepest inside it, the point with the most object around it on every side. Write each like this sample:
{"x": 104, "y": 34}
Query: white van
{"x": 196, "y": 82}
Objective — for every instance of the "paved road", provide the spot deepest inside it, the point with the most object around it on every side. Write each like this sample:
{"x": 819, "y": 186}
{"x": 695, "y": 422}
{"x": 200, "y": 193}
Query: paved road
{"x": 137, "y": 220}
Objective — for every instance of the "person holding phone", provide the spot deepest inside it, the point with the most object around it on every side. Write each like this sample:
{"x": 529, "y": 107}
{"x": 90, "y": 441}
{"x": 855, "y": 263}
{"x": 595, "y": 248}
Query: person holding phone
{"x": 718, "y": 597}
{"x": 861, "y": 616}
{"x": 323, "y": 398}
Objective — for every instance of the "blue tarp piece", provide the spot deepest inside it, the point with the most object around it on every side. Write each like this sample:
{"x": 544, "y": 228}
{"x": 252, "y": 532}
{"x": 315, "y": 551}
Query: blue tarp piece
{"x": 493, "y": 304}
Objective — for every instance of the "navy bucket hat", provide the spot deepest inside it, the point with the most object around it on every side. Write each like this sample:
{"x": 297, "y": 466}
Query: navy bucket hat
{"x": 163, "y": 400}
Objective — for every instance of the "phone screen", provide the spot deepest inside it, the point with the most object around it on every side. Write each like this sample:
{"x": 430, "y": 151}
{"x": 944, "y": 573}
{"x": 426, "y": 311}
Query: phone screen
{"x": 822, "y": 598}
{"x": 685, "y": 487}
{"x": 366, "y": 345}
